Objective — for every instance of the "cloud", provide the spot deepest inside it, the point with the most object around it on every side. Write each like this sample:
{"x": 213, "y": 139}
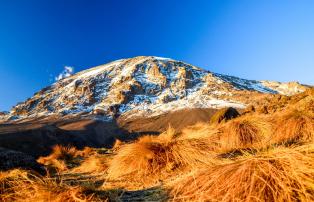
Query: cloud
{"x": 67, "y": 71}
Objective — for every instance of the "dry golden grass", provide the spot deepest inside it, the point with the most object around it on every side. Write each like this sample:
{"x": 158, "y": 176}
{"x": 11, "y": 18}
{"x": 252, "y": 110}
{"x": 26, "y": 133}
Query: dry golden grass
{"x": 245, "y": 132}
{"x": 18, "y": 185}
{"x": 87, "y": 151}
{"x": 169, "y": 135}
{"x": 117, "y": 144}
{"x": 249, "y": 131}
{"x": 93, "y": 164}
{"x": 62, "y": 158}
{"x": 279, "y": 175}
{"x": 294, "y": 127}
{"x": 200, "y": 131}
{"x": 151, "y": 155}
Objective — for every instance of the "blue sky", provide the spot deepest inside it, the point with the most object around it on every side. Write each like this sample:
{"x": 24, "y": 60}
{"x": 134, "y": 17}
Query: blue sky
{"x": 261, "y": 39}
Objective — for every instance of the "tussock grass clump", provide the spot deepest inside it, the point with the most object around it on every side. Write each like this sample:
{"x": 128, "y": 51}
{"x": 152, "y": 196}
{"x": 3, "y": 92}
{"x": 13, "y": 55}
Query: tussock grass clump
{"x": 92, "y": 164}
{"x": 18, "y": 185}
{"x": 280, "y": 175}
{"x": 117, "y": 144}
{"x": 293, "y": 127}
{"x": 133, "y": 157}
{"x": 63, "y": 158}
{"x": 245, "y": 132}
{"x": 151, "y": 155}
{"x": 201, "y": 130}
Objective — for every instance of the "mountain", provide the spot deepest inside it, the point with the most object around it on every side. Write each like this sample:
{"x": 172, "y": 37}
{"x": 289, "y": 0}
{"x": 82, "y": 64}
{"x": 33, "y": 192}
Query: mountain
{"x": 144, "y": 87}
{"x": 127, "y": 98}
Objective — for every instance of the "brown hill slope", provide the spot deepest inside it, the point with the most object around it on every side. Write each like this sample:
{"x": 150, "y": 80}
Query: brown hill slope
{"x": 37, "y": 137}
{"x": 177, "y": 119}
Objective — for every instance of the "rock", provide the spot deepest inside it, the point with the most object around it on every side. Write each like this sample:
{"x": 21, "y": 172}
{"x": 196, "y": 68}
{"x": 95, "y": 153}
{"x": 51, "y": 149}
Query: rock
{"x": 154, "y": 74}
{"x": 107, "y": 110}
{"x": 223, "y": 115}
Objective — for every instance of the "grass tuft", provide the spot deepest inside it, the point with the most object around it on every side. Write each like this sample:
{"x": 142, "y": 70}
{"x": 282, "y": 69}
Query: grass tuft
{"x": 294, "y": 127}
{"x": 18, "y": 185}
{"x": 245, "y": 132}
{"x": 279, "y": 175}
{"x": 150, "y": 156}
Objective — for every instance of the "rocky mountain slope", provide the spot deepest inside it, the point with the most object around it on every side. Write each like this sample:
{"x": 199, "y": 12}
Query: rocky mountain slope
{"x": 144, "y": 87}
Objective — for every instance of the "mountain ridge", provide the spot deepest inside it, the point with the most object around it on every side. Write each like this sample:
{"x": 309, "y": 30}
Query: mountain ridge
{"x": 145, "y": 86}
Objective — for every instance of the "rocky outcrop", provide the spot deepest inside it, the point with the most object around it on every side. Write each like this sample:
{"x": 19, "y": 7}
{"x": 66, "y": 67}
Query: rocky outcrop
{"x": 154, "y": 74}
{"x": 289, "y": 88}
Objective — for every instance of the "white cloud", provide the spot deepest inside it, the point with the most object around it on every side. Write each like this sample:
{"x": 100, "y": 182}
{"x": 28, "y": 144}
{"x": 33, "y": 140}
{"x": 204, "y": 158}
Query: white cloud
{"x": 67, "y": 71}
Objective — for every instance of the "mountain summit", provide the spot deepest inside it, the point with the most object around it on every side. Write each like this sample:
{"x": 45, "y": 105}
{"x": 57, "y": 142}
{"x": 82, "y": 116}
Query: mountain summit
{"x": 145, "y": 86}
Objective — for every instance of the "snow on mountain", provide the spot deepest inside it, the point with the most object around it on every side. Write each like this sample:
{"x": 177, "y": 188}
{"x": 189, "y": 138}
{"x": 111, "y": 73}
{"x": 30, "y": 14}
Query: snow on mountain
{"x": 289, "y": 88}
{"x": 143, "y": 86}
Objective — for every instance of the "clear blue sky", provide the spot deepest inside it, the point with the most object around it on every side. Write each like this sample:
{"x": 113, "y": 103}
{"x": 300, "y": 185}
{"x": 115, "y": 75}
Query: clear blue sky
{"x": 265, "y": 39}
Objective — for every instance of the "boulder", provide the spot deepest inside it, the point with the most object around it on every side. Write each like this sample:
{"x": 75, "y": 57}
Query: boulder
{"x": 224, "y": 115}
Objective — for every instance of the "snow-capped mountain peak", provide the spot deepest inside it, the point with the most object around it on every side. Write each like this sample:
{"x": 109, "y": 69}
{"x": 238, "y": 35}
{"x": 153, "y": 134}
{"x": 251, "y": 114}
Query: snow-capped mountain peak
{"x": 144, "y": 86}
